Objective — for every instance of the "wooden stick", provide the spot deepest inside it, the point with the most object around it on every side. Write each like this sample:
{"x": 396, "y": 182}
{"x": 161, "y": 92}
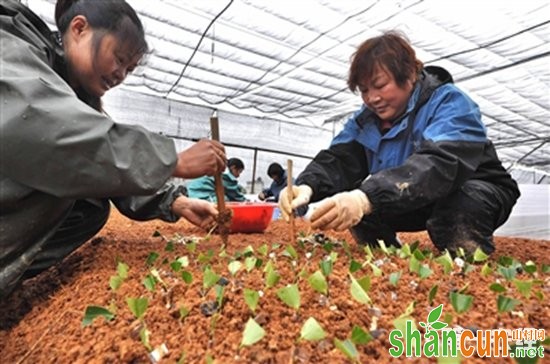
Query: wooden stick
{"x": 220, "y": 194}
{"x": 290, "y": 197}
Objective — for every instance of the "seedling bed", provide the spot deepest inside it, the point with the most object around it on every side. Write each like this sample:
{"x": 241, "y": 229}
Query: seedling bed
{"x": 170, "y": 293}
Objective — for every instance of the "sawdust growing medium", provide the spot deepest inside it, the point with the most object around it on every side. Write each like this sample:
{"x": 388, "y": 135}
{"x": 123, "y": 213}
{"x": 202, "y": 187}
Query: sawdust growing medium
{"x": 42, "y": 321}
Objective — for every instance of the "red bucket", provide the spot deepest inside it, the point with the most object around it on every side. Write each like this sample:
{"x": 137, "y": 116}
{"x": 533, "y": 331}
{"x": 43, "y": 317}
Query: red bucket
{"x": 250, "y": 217}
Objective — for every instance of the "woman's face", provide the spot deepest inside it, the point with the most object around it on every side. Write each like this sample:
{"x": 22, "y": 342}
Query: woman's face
{"x": 235, "y": 171}
{"x": 96, "y": 65}
{"x": 384, "y": 96}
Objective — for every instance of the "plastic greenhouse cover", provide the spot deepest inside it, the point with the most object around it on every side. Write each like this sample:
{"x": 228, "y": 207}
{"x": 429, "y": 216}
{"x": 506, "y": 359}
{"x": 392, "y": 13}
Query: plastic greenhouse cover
{"x": 530, "y": 217}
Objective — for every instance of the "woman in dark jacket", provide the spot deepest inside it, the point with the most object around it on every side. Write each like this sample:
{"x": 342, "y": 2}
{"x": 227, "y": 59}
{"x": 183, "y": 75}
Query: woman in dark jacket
{"x": 414, "y": 157}
{"x": 276, "y": 172}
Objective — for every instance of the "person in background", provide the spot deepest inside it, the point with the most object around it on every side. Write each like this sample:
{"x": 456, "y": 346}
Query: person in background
{"x": 276, "y": 172}
{"x": 63, "y": 160}
{"x": 414, "y": 157}
{"x": 205, "y": 188}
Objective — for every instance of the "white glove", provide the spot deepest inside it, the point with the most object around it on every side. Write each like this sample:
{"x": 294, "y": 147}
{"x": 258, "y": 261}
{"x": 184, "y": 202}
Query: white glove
{"x": 290, "y": 199}
{"x": 341, "y": 211}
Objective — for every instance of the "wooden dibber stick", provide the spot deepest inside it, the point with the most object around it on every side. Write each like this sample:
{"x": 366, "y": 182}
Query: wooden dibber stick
{"x": 290, "y": 197}
{"x": 224, "y": 216}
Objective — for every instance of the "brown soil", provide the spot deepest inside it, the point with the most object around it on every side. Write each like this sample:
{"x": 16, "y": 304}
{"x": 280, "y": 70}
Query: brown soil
{"x": 41, "y": 321}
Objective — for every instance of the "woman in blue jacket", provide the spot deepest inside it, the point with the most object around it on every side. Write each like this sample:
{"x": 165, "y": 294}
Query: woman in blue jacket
{"x": 414, "y": 157}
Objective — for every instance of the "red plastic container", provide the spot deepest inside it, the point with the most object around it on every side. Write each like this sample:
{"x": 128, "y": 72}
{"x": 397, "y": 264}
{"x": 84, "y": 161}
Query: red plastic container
{"x": 250, "y": 217}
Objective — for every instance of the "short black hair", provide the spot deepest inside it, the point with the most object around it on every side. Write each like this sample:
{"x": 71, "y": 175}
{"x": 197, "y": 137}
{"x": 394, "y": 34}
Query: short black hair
{"x": 114, "y": 16}
{"x": 235, "y": 162}
{"x": 275, "y": 169}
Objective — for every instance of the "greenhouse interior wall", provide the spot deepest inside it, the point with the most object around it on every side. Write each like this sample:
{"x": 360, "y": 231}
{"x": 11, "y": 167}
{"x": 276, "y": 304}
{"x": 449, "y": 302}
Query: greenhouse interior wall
{"x": 246, "y": 137}
{"x": 530, "y": 217}
{"x": 261, "y": 141}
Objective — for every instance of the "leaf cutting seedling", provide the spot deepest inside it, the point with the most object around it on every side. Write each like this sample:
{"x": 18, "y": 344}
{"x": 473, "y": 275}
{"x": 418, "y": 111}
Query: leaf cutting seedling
{"x": 238, "y": 287}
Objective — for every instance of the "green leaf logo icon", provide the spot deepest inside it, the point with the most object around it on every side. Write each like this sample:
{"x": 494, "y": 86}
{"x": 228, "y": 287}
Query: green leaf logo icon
{"x": 433, "y": 320}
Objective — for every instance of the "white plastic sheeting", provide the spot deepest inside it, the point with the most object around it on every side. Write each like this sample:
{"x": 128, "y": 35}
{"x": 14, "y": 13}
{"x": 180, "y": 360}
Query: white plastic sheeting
{"x": 530, "y": 217}
{"x": 245, "y": 137}
{"x": 288, "y": 60}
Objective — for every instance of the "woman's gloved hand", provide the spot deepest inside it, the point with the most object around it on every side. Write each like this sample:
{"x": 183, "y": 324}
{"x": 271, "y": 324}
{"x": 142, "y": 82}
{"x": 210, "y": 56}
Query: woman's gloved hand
{"x": 341, "y": 211}
{"x": 292, "y": 198}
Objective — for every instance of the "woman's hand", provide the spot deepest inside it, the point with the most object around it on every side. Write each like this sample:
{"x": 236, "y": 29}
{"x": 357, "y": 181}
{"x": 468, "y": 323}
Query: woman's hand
{"x": 198, "y": 212}
{"x": 341, "y": 211}
{"x": 205, "y": 157}
{"x": 300, "y": 196}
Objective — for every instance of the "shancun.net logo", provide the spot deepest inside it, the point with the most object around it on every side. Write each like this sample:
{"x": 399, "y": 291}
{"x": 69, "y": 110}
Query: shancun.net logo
{"x": 441, "y": 341}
